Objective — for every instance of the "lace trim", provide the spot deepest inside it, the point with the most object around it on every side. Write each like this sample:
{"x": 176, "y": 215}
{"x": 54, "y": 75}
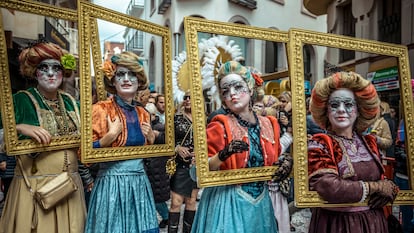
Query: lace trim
{"x": 351, "y": 171}
{"x": 365, "y": 191}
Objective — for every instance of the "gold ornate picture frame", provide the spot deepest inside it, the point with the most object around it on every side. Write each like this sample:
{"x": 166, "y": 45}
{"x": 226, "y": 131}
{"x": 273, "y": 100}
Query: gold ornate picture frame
{"x": 13, "y": 145}
{"x": 297, "y": 39}
{"x": 89, "y": 43}
{"x": 192, "y": 27}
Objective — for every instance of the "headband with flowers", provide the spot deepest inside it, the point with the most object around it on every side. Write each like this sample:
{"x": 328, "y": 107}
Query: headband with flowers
{"x": 109, "y": 69}
{"x": 68, "y": 61}
{"x": 37, "y": 51}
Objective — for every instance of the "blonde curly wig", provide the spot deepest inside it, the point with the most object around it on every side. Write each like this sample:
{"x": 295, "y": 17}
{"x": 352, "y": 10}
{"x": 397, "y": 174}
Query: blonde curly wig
{"x": 366, "y": 98}
{"x": 128, "y": 60}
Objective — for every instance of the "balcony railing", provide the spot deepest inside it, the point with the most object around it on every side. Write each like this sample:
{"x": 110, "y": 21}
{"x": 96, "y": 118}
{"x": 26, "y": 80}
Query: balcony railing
{"x": 251, "y": 4}
{"x": 135, "y": 8}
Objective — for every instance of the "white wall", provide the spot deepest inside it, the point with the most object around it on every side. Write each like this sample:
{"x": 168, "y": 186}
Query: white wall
{"x": 269, "y": 14}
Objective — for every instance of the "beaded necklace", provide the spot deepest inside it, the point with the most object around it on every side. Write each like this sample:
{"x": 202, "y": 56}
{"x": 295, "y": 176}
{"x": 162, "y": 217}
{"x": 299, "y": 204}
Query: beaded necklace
{"x": 246, "y": 123}
{"x": 63, "y": 125}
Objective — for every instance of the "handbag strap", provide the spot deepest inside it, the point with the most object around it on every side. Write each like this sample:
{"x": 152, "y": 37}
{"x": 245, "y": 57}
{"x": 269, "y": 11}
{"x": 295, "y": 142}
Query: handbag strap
{"x": 186, "y": 134}
{"x": 182, "y": 142}
{"x": 26, "y": 180}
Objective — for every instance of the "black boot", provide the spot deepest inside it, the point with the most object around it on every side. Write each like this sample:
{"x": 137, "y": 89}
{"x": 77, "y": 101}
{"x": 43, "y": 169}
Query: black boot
{"x": 188, "y": 220}
{"x": 173, "y": 221}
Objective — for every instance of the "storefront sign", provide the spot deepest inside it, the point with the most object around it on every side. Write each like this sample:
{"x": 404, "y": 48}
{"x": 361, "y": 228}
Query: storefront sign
{"x": 52, "y": 35}
{"x": 385, "y": 79}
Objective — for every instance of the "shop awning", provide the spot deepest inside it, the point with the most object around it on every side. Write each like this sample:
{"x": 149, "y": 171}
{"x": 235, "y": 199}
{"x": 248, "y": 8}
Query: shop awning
{"x": 22, "y": 42}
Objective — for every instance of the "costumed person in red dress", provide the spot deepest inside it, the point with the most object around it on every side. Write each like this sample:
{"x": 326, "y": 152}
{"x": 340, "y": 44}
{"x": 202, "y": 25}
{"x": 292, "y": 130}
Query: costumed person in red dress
{"x": 345, "y": 166}
{"x": 240, "y": 139}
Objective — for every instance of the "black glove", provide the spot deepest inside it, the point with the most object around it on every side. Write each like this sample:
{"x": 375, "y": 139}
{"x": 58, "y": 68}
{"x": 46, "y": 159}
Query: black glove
{"x": 284, "y": 165}
{"x": 382, "y": 192}
{"x": 235, "y": 146}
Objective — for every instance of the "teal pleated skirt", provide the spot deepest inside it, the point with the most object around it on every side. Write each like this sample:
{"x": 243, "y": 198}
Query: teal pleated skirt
{"x": 121, "y": 200}
{"x": 231, "y": 210}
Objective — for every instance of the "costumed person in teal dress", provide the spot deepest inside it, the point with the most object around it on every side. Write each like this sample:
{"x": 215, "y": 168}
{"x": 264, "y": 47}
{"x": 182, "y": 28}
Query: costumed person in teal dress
{"x": 41, "y": 113}
{"x": 121, "y": 199}
{"x": 344, "y": 165}
{"x": 239, "y": 139}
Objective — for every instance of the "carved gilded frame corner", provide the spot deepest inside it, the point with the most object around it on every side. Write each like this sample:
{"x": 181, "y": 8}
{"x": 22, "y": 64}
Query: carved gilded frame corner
{"x": 14, "y": 146}
{"x": 298, "y": 38}
{"x": 192, "y": 27}
{"x": 88, "y": 15}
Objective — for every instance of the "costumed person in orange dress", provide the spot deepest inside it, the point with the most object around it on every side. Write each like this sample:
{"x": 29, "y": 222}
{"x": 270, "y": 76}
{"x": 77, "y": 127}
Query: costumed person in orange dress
{"x": 122, "y": 199}
{"x": 344, "y": 165}
{"x": 239, "y": 139}
{"x": 43, "y": 112}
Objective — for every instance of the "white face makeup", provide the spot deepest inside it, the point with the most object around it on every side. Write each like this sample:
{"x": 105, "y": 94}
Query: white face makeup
{"x": 126, "y": 82}
{"x": 258, "y": 107}
{"x": 342, "y": 110}
{"x": 235, "y": 93}
{"x": 187, "y": 102}
{"x": 49, "y": 75}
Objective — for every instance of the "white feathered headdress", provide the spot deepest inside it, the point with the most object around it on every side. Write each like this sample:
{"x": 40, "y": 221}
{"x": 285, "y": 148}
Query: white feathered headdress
{"x": 180, "y": 76}
{"x": 216, "y": 51}
{"x": 212, "y": 52}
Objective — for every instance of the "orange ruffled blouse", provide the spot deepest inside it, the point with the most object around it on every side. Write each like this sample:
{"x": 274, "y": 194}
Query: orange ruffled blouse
{"x": 110, "y": 108}
{"x": 225, "y": 128}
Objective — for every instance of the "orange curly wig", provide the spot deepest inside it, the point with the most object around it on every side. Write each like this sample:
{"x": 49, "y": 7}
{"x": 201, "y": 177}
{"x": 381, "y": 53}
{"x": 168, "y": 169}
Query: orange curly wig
{"x": 366, "y": 97}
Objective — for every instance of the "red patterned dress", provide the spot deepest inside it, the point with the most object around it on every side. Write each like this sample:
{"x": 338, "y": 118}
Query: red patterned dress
{"x": 337, "y": 167}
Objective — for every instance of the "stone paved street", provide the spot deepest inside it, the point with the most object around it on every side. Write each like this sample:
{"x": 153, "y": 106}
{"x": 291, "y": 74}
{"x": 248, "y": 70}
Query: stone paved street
{"x": 300, "y": 219}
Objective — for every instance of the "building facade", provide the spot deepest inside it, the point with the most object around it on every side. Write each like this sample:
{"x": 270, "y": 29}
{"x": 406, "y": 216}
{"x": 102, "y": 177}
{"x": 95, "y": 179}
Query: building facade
{"x": 380, "y": 20}
{"x": 21, "y": 28}
{"x": 272, "y": 14}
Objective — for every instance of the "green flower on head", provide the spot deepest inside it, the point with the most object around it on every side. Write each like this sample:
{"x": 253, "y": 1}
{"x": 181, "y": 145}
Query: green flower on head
{"x": 68, "y": 61}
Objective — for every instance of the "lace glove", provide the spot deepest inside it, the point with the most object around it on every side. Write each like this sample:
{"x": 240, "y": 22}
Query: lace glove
{"x": 284, "y": 164}
{"x": 235, "y": 146}
{"x": 381, "y": 192}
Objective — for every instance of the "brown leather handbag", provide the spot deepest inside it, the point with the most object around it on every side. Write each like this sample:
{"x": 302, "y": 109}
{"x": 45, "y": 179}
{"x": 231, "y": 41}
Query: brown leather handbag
{"x": 54, "y": 191}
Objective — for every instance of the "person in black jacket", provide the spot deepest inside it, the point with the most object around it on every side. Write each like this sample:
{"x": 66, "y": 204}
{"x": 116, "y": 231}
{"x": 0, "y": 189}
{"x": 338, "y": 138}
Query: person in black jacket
{"x": 155, "y": 168}
{"x": 7, "y": 173}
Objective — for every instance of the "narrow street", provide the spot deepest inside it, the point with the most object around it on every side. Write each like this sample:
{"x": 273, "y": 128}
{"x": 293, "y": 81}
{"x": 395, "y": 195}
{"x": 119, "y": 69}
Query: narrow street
{"x": 300, "y": 219}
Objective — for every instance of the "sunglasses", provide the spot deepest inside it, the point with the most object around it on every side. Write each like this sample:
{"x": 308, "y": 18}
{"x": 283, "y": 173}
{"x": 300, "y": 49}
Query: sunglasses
{"x": 186, "y": 97}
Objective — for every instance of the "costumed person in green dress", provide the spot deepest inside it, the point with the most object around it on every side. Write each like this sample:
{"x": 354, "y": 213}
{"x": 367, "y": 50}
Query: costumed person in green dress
{"x": 122, "y": 199}
{"x": 43, "y": 112}
{"x": 239, "y": 139}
